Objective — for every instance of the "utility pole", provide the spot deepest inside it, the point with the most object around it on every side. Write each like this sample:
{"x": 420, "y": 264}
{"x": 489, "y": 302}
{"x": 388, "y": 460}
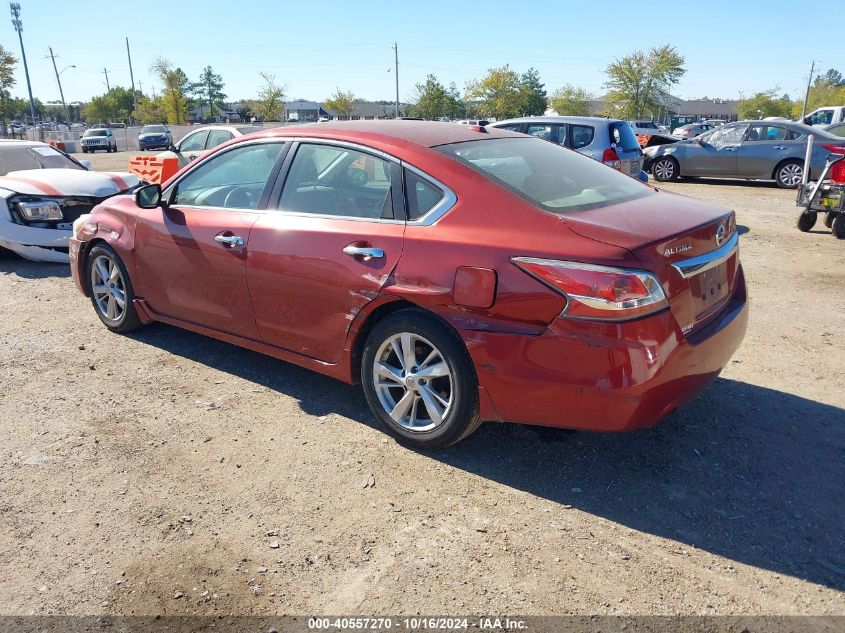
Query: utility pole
{"x": 16, "y": 22}
{"x": 132, "y": 79}
{"x": 396, "y": 72}
{"x": 807, "y": 94}
{"x": 106, "y": 73}
{"x": 61, "y": 92}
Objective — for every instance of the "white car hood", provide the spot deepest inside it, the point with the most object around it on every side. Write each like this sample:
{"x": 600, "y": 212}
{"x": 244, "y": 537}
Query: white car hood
{"x": 67, "y": 182}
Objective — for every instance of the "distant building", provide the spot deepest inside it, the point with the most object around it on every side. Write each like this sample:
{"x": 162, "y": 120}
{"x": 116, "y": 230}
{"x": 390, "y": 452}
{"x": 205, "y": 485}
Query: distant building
{"x": 698, "y": 109}
{"x": 304, "y": 111}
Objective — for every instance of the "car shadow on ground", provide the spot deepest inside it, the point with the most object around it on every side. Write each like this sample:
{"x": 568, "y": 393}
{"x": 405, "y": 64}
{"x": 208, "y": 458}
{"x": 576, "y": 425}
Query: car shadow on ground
{"x": 11, "y": 264}
{"x": 745, "y": 472}
{"x": 697, "y": 180}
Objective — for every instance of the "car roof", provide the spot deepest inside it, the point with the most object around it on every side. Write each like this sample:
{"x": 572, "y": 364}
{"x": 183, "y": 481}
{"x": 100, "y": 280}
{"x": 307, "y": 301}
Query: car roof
{"x": 792, "y": 125}
{"x": 425, "y": 133}
{"x": 589, "y": 120}
{"x": 8, "y": 142}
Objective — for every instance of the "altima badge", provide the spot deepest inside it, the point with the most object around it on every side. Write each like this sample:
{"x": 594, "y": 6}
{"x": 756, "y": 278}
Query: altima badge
{"x": 680, "y": 248}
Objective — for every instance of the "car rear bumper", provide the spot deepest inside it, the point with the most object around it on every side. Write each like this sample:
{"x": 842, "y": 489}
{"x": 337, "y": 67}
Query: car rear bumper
{"x": 41, "y": 245}
{"x": 604, "y": 376}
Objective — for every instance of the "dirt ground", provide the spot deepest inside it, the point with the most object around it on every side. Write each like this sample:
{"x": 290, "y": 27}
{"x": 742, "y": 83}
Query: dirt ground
{"x": 166, "y": 473}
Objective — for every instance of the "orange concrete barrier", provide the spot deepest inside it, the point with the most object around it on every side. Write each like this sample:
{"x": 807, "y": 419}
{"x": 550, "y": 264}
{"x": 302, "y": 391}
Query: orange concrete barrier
{"x": 152, "y": 169}
{"x": 59, "y": 145}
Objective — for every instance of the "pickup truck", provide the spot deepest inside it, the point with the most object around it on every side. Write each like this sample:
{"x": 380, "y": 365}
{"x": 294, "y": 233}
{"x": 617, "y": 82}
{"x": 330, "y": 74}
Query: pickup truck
{"x": 825, "y": 116}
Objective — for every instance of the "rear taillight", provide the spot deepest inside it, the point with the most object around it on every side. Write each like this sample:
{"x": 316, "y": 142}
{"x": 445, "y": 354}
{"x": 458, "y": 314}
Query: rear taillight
{"x": 835, "y": 149}
{"x": 837, "y": 172}
{"x": 611, "y": 158}
{"x": 598, "y": 292}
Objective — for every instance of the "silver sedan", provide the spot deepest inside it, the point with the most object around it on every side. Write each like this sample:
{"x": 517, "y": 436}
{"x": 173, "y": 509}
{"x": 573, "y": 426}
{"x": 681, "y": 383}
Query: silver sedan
{"x": 752, "y": 150}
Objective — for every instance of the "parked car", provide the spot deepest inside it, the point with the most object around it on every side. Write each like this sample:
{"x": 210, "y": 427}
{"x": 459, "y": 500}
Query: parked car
{"x": 753, "y": 150}
{"x": 493, "y": 288}
{"x": 154, "y": 137}
{"x": 98, "y": 138}
{"x": 610, "y": 141}
{"x": 837, "y": 129}
{"x": 42, "y": 191}
{"x": 825, "y": 116}
{"x": 199, "y": 141}
{"x": 646, "y": 128}
{"x": 715, "y": 122}
{"x": 474, "y": 122}
{"x": 691, "y": 130}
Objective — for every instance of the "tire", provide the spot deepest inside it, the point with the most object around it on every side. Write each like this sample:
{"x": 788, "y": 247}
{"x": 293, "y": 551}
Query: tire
{"x": 789, "y": 173}
{"x": 828, "y": 220}
{"x": 806, "y": 221}
{"x": 418, "y": 399}
{"x": 103, "y": 264}
{"x": 665, "y": 169}
{"x": 839, "y": 226}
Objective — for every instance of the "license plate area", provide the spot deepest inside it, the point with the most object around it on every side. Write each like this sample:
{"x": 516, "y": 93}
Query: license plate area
{"x": 709, "y": 290}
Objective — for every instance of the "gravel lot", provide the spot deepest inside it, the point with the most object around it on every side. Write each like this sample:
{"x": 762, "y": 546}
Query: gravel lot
{"x": 164, "y": 472}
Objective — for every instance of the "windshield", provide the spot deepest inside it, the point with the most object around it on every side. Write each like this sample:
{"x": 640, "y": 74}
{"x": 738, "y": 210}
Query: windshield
{"x": 88, "y": 133}
{"x": 21, "y": 158}
{"x": 552, "y": 177}
{"x": 153, "y": 129}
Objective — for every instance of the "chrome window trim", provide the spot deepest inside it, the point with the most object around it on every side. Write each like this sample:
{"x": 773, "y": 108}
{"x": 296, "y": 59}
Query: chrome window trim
{"x": 440, "y": 209}
{"x": 351, "y": 145}
{"x": 695, "y": 265}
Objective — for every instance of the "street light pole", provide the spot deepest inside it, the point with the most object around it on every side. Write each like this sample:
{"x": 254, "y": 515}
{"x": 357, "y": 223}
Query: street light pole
{"x": 59, "y": 81}
{"x": 16, "y": 22}
{"x": 396, "y": 62}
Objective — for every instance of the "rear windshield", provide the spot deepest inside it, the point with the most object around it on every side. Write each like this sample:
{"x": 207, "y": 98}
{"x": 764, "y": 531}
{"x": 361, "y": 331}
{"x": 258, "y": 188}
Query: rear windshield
{"x": 552, "y": 177}
{"x": 153, "y": 129}
{"x": 37, "y": 157}
{"x": 88, "y": 133}
{"x": 623, "y": 135}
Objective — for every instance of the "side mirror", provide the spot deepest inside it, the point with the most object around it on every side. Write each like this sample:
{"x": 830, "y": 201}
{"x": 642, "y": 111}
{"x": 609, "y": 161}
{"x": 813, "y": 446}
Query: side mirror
{"x": 806, "y": 120}
{"x": 173, "y": 148}
{"x": 148, "y": 197}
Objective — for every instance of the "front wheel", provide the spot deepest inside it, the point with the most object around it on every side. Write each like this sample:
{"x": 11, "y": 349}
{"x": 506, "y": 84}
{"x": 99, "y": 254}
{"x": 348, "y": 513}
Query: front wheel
{"x": 665, "y": 169}
{"x": 806, "y": 221}
{"x": 789, "y": 174}
{"x": 420, "y": 381}
{"x": 111, "y": 290}
{"x": 839, "y": 226}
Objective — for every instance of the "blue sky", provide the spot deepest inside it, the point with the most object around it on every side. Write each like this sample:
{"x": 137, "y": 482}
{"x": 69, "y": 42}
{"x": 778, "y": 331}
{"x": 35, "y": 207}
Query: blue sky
{"x": 745, "y": 46}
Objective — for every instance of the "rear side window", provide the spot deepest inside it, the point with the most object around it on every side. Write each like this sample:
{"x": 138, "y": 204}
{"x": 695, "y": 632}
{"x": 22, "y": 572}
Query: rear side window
{"x": 216, "y": 137}
{"x": 546, "y": 174}
{"x": 540, "y": 131}
{"x": 513, "y": 127}
{"x": 582, "y": 135}
{"x": 422, "y": 196}
{"x": 622, "y": 134}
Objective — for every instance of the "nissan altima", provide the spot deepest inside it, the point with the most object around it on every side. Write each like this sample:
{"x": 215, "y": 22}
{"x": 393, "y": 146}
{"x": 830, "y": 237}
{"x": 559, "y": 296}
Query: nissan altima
{"x": 459, "y": 274}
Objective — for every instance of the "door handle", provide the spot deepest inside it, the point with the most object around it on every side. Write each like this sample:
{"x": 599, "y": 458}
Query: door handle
{"x": 730, "y": 149}
{"x": 779, "y": 147}
{"x": 232, "y": 241}
{"x": 363, "y": 251}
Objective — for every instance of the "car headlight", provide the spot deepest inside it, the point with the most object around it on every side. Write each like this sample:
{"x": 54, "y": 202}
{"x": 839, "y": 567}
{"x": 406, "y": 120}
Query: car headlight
{"x": 40, "y": 211}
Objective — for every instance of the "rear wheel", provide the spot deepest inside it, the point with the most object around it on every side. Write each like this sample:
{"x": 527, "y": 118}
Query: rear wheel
{"x": 665, "y": 169}
{"x": 828, "y": 219}
{"x": 111, "y": 290}
{"x": 419, "y": 380}
{"x": 789, "y": 174}
{"x": 806, "y": 221}
{"x": 839, "y": 226}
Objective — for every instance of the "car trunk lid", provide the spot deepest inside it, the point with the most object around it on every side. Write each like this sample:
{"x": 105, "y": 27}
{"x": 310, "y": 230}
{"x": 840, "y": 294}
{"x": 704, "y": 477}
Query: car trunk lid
{"x": 690, "y": 245}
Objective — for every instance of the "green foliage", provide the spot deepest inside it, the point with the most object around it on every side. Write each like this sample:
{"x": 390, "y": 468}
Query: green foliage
{"x": 532, "y": 93}
{"x": 571, "y": 100}
{"x": 175, "y": 90}
{"x": 343, "y": 103}
{"x": 832, "y": 77}
{"x": 151, "y": 110}
{"x": 499, "y": 92}
{"x": 209, "y": 89}
{"x": 765, "y": 104}
{"x": 7, "y": 80}
{"x": 115, "y": 105}
{"x": 827, "y": 90}
{"x": 434, "y": 100}
{"x": 639, "y": 83}
{"x": 270, "y": 101}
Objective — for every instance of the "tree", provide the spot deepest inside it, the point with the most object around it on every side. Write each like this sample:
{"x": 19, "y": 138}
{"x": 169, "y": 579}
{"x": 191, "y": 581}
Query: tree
{"x": 115, "y": 105}
{"x": 342, "y": 102}
{"x": 639, "y": 83}
{"x": 499, "y": 93}
{"x": 7, "y": 80}
{"x": 210, "y": 89}
{"x": 271, "y": 99}
{"x": 832, "y": 77}
{"x": 433, "y": 100}
{"x": 175, "y": 88}
{"x": 827, "y": 89}
{"x": 764, "y": 104}
{"x": 151, "y": 110}
{"x": 533, "y": 93}
{"x": 571, "y": 100}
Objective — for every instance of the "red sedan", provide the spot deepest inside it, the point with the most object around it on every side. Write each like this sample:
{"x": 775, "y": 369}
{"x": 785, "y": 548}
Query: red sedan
{"x": 459, "y": 274}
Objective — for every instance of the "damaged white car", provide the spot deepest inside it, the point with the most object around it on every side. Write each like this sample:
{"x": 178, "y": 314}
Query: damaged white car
{"x": 42, "y": 191}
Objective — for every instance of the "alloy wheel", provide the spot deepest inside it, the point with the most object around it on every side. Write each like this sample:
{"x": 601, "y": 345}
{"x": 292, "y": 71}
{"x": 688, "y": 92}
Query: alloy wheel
{"x": 791, "y": 174}
{"x": 413, "y": 382}
{"x": 664, "y": 169}
{"x": 108, "y": 288}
